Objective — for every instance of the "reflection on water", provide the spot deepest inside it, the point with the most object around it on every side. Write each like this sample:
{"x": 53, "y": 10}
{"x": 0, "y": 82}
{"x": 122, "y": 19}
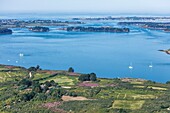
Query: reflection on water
{"x": 163, "y": 64}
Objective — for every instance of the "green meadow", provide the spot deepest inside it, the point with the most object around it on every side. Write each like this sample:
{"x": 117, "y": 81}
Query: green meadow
{"x": 43, "y": 91}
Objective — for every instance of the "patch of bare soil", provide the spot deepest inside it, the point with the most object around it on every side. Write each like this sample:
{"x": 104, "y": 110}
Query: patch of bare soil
{"x": 69, "y": 98}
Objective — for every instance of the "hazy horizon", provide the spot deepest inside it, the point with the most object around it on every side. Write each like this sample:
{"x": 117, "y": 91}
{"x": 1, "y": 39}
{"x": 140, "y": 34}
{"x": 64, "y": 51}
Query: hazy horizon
{"x": 88, "y": 6}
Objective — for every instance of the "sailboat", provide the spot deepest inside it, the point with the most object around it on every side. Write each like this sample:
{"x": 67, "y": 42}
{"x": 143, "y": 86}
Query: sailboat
{"x": 21, "y": 54}
{"x": 130, "y": 66}
{"x": 150, "y": 66}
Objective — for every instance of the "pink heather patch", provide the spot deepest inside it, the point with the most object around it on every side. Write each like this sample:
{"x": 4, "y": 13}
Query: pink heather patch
{"x": 9, "y": 67}
{"x": 111, "y": 85}
{"x": 50, "y": 105}
{"x": 88, "y": 84}
{"x": 73, "y": 74}
{"x": 53, "y": 107}
{"x": 48, "y": 71}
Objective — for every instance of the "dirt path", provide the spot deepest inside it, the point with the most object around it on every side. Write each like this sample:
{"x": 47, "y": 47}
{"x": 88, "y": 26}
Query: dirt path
{"x": 8, "y": 74}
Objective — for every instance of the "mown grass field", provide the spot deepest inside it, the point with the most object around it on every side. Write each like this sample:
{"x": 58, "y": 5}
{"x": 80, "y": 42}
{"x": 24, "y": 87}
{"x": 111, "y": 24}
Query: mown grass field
{"x": 127, "y": 104}
{"x": 63, "y": 80}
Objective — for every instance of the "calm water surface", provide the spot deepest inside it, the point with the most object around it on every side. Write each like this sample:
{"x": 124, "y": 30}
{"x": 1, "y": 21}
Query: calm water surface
{"x": 106, "y": 54}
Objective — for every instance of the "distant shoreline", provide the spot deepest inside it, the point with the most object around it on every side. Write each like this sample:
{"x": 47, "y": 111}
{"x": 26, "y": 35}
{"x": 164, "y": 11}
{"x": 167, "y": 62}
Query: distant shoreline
{"x": 78, "y": 74}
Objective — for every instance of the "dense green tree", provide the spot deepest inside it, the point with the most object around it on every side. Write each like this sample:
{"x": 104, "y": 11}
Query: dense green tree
{"x": 37, "y": 89}
{"x": 25, "y": 82}
{"x": 88, "y": 77}
{"x": 168, "y": 82}
{"x": 53, "y": 83}
{"x": 48, "y": 84}
{"x": 70, "y": 69}
{"x": 28, "y": 97}
{"x": 58, "y": 93}
{"x": 45, "y": 88}
{"x": 74, "y": 94}
{"x": 93, "y": 77}
{"x": 37, "y": 67}
{"x": 41, "y": 97}
{"x": 32, "y": 69}
{"x": 35, "y": 83}
{"x": 84, "y": 77}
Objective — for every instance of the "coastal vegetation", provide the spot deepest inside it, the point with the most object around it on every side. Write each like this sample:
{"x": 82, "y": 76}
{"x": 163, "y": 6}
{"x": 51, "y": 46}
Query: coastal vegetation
{"x": 15, "y": 23}
{"x": 39, "y": 29}
{"x": 97, "y": 29}
{"x": 164, "y": 26}
{"x": 5, "y": 31}
{"x": 49, "y": 91}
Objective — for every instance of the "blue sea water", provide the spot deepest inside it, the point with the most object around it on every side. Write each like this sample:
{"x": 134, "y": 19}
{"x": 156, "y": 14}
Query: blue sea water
{"x": 109, "y": 55}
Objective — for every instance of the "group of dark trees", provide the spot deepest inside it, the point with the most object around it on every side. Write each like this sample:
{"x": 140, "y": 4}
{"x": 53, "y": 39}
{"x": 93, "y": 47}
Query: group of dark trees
{"x": 39, "y": 29}
{"x": 98, "y": 29}
{"x": 39, "y": 90}
{"x": 33, "y": 69}
{"x": 168, "y": 82}
{"x": 88, "y": 77}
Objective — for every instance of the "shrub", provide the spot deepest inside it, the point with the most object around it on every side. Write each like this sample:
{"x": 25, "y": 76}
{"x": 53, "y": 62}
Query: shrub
{"x": 93, "y": 77}
{"x": 37, "y": 89}
{"x": 41, "y": 97}
{"x": 168, "y": 82}
{"x": 84, "y": 77}
{"x": 25, "y": 82}
{"x": 70, "y": 69}
{"x": 88, "y": 77}
{"x": 28, "y": 97}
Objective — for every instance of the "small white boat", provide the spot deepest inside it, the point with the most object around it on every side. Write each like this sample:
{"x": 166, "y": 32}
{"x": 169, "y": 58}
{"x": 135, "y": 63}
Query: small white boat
{"x": 130, "y": 66}
{"x": 21, "y": 54}
{"x": 150, "y": 66}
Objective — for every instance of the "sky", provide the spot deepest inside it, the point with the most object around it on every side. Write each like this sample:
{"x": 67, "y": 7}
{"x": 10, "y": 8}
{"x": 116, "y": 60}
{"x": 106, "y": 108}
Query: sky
{"x": 112, "y": 6}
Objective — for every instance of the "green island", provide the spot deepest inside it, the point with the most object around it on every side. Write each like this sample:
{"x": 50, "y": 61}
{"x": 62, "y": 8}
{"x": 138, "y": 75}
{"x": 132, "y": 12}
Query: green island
{"x": 34, "y": 90}
{"x": 5, "y": 31}
{"x": 39, "y": 29}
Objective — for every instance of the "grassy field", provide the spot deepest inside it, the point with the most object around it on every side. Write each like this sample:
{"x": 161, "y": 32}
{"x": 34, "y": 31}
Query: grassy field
{"x": 107, "y": 95}
{"x": 9, "y": 73}
{"x": 126, "y": 104}
{"x": 63, "y": 80}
